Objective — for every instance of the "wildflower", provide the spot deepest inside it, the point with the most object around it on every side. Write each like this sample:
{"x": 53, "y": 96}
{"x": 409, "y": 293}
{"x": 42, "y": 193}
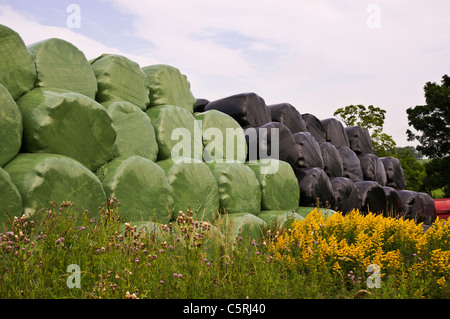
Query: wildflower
{"x": 136, "y": 261}
{"x": 179, "y": 275}
{"x": 175, "y": 274}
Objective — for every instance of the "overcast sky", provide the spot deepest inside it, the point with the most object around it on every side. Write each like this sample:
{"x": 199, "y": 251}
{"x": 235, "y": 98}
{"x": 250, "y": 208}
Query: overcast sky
{"x": 315, "y": 55}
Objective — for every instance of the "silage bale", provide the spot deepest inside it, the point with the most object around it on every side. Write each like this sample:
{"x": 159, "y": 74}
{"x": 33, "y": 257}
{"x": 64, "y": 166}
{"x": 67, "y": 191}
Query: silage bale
{"x": 200, "y": 105}
{"x": 278, "y": 218}
{"x": 11, "y": 127}
{"x": 315, "y": 127}
{"x": 412, "y": 204}
{"x": 193, "y": 186}
{"x": 142, "y": 188}
{"x": 309, "y": 150}
{"x": 17, "y": 69}
{"x": 242, "y": 225}
{"x": 135, "y": 132}
{"x": 60, "y": 122}
{"x": 394, "y": 203}
{"x": 248, "y": 109}
{"x": 10, "y": 199}
{"x": 239, "y": 190}
{"x": 429, "y": 209}
{"x": 395, "y": 176}
{"x": 315, "y": 187}
{"x": 60, "y": 64}
{"x": 168, "y": 86}
{"x": 303, "y": 211}
{"x": 373, "y": 197}
{"x": 279, "y": 186}
{"x": 332, "y": 160}
{"x": 175, "y": 126}
{"x": 288, "y": 115}
{"x": 41, "y": 178}
{"x": 346, "y": 196}
{"x": 335, "y": 132}
{"x": 120, "y": 79}
{"x": 359, "y": 140}
{"x": 351, "y": 164}
{"x": 223, "y": 138}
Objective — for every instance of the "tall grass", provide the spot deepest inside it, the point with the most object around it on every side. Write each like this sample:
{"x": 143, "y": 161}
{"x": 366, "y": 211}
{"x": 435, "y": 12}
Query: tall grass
{"x": 196, "y": 259}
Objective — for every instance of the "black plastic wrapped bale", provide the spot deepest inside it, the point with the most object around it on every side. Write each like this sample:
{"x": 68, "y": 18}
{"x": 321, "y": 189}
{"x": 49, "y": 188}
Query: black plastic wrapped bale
{"x": 335, "y": 132}
{"x": 309, "y": 150}
{"x": 315, "y": 188}
{"x": 412, "y": 205}
{"x": 332, "y": 160}
{"x": 346, "y": 196}
{"x": 315, "y": 127}
{"x": 288, "y": 115}
{"x": 372, "y": 169}
{"x": 200, "y": 105}
{"x": 351, "y": 164}
{"x": 359, "y": 140}
{"x": 373, "y": 198}
{"x": 429, "y": 209}
{"x": 394, "y": 203}
{"x": 248, "y": 109}
{"x": 395, "y": 177}
{"x": 259, "y": 142}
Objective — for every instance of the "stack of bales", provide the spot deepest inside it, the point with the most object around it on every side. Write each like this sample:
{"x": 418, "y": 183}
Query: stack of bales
{"x": 82, "y": 131}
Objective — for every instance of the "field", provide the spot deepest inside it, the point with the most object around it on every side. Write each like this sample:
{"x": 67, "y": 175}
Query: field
{"x": 351, "y": 256}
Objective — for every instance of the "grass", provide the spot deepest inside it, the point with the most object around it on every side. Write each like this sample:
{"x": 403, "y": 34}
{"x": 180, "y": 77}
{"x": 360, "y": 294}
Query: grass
{"x": 192, "y": 259}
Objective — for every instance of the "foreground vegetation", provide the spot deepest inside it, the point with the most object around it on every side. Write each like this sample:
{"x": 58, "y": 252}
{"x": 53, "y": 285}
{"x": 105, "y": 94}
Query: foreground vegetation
{"x": 316, "y": 257}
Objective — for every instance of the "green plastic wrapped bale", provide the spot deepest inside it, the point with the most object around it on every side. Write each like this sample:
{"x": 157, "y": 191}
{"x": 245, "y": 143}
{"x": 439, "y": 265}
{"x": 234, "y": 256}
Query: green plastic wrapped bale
{"x": 279, "y": 185}
{"x": 67, "y": 123}
{"x": 169, "y": 87}
{"x": 120, "y": 79}
{"x": 10, "y": 127}
{"x": 17, "y": 69}
{"x": 242, "y": 225}
{"x": 194, "y": 187}
{"x": 223, "y": 137}
{"x": 41, "y": 178}
{"x": 141, "y": 186}
{"x": 60, "y": 64}
{"x": 239, "y": 190}
{"x": 176, "y": 130}
{"x": 304, "y": 211}
{"x": 135, "y": 132}
{"x": 10, "y": 199}
{"x": 279, "y": 218}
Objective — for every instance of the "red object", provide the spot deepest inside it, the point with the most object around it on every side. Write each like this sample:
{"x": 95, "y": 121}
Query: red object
{"x": 442, "y": 207}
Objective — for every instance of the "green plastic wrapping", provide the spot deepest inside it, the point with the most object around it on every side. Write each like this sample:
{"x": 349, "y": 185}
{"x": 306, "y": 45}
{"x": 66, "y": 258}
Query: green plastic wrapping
{"x": 135, "y": 132}
{"x": 242, "y": 225}
{"x": 279, "y": 186}
{"x": 169, "y": 87}
{"x": 279, "y": 218}
{"x": 239, "y": 190}
{"x": 176, "y": 127}
{"x": 120, "y": 79}
{"x": 305, "y": 210}
{"x": 194, "y": 187}
{"x": 10, "y": 127}
{"x": 10, "y": 199}
{"x": 17, "y": 69}
{"x": 141, "y": 186}
{"x": 60, "y": 122}
{"x": 60, "y": 64}
{"x": 223, "y": 137}
{"x": 41, "y": 178}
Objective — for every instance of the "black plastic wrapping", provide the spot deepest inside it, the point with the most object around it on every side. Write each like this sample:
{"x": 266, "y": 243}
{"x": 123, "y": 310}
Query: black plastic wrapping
{"x": 359, "y": 140}
{"x": 261, "y": 137}
{"x": 335, "y": 132}
{"x": 200, "y": 105}
{"x": 332, "y": 160}
{"x": 351, "y": 164}
{"x": 412, "y": 205}
{"x": 395, "y": 177}
{"x": 315, "y": 188}
{"x": 346, "y": 196}
{"x": 394, "y": 203}
{"x": 248, "y": 109}
{"x": 372, "y": 196}
{"x": 429, "y": 209}
{"x": 372, "y": 169}
{"x": 309, "y": 150}
{"x": 288, "y": 115}
{"x": 315, "y": 127}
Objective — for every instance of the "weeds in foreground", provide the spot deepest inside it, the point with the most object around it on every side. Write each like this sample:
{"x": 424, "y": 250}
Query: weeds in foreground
{"x": 316, "y": 257}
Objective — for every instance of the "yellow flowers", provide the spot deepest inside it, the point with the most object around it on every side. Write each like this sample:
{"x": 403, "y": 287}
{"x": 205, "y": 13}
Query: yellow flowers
{"x": 352, "y": 242}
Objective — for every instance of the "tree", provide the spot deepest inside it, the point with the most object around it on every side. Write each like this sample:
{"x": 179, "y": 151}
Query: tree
{"x": 438, "y": 176}
{"x": 432, "y": 120}
{"x": 415, "y": 172}
{"x": 372, "y": 119}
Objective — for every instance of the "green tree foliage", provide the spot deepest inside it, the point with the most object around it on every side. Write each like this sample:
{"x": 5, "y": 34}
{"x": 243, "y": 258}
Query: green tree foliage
{"x": 438, "y": 176}
{"x": 415, "y": 172}
{"x": 371, "y": 118}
